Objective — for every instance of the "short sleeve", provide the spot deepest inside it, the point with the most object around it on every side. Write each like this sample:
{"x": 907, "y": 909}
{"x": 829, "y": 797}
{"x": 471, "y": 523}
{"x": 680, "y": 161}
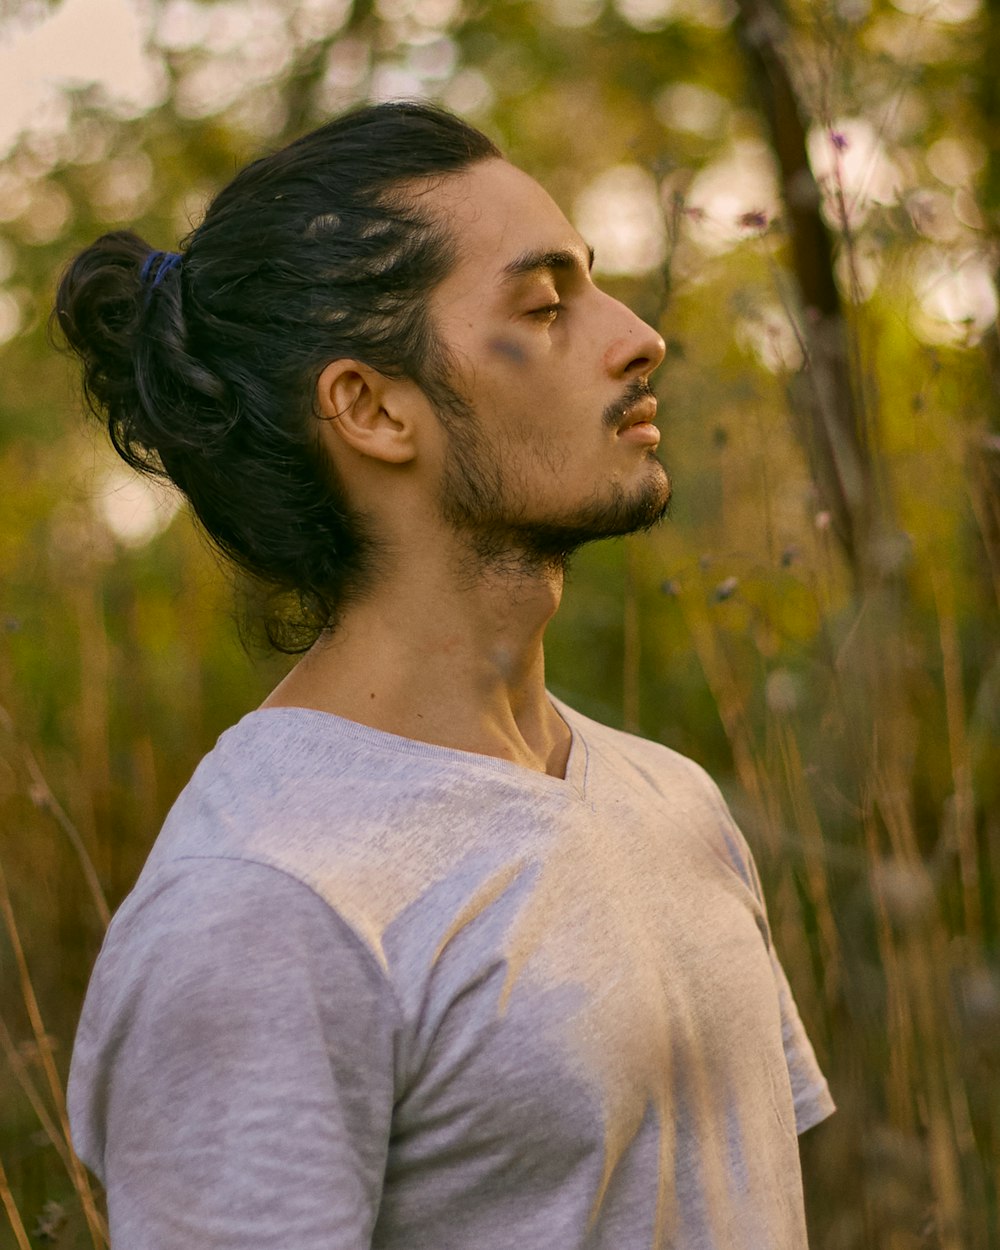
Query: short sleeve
{"x": 232, "y": 1078}
{"x": 810, "y": 1092}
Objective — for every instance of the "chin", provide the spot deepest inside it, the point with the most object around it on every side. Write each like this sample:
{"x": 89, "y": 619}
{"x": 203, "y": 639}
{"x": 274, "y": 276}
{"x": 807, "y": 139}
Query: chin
{"x": 611, "y": 517}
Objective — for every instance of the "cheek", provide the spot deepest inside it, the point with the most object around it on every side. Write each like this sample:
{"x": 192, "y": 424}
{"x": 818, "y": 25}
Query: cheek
{"x": 531, "y": 404}
{"x": 506, "y": 350}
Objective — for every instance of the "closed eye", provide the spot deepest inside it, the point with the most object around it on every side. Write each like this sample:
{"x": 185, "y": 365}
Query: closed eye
{"x": 548, "y": 312}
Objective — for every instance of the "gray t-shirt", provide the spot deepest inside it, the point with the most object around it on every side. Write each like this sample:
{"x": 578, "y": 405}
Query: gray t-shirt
{"x": 369, "y": 992}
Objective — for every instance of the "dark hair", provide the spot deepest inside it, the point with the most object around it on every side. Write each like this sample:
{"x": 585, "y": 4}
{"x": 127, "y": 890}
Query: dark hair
{"x": 204, "y": 367}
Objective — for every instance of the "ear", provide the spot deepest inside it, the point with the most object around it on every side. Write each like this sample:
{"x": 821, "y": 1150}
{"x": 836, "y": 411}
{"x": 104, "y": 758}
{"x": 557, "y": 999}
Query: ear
{"x": 366, "y": 411}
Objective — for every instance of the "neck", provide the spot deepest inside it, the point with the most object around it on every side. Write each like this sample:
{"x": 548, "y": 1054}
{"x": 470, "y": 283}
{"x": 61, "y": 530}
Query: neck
{"x": 447, "y": 657}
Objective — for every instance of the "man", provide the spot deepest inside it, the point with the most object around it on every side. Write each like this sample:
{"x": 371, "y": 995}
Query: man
{"x": 423, "y": 958}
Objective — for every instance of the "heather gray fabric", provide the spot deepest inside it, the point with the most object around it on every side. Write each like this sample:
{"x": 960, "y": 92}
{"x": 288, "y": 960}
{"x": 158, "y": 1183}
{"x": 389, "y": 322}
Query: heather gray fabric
{"x": 369, "y": 992}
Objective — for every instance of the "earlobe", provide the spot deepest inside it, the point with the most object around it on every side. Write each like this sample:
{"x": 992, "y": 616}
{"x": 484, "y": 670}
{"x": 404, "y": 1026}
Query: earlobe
{"x": 361, "y": 409}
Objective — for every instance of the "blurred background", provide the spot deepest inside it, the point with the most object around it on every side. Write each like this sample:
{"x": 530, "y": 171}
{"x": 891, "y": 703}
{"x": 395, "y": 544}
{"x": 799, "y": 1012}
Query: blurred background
{"x": 806, "y": 201}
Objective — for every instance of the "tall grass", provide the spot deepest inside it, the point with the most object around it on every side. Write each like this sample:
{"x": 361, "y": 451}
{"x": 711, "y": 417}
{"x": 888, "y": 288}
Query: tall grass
{"x": 887, "y": 1015}
{"x": 818, "y": 626}
{"x": 32, "y": 1065}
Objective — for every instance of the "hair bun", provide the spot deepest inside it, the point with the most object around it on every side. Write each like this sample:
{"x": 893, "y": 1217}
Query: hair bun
{"x": 98, "y": 304}
{"x": 98, "y": 311}
{"x": 138, "y": 373}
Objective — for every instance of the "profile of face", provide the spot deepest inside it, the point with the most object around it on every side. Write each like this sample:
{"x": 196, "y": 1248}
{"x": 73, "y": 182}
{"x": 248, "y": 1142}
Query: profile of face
{"x": 556, "y": 446}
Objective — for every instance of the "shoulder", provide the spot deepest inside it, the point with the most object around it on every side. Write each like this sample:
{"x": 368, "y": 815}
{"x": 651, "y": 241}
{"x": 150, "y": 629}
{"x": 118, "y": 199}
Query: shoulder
{"x": 284, "y": 790}
{"x": 221, "y": 921}
{"x": 270, "y": 762}
{"x": 674, "y": 782}
{"x": 667, "y": 771}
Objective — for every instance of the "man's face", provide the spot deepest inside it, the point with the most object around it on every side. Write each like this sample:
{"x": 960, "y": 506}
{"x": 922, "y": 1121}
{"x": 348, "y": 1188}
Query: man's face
{"x": 557, "y": 447}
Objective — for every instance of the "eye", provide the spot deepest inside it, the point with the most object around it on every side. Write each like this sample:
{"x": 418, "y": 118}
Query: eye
{"x": 547, "y": 312}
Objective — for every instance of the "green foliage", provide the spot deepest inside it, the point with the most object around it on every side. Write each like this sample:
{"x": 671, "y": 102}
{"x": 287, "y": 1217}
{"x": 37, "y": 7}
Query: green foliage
{"x": 848, "y": 698}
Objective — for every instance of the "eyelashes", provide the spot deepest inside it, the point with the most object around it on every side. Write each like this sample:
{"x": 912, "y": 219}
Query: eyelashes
{"x": 547, "y": 312}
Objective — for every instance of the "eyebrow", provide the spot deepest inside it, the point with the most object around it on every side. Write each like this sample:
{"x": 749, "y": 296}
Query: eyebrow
{"x": 560, "y": 261}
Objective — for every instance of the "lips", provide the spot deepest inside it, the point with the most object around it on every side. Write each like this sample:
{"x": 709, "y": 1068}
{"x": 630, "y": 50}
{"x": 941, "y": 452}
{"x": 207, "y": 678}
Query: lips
{"x": 643, "y": 411}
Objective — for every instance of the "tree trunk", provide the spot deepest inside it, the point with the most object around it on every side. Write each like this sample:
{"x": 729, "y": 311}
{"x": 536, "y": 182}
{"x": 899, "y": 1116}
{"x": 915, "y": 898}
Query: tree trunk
{"x": 830, "y": 416}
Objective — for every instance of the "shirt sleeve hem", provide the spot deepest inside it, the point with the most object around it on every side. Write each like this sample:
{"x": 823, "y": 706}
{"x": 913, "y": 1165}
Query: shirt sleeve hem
{"x": 813, "y": 1107}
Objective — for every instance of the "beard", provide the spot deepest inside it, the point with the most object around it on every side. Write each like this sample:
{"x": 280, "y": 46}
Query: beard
{"x": 481, "y": 501}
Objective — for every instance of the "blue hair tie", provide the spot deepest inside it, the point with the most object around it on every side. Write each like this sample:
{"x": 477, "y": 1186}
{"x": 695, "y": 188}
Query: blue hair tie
{"x": 165, "y": 261}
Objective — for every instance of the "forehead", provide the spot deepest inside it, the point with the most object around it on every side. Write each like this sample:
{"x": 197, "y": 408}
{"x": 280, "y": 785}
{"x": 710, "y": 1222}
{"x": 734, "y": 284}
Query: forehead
{"x": 496, "y": 213}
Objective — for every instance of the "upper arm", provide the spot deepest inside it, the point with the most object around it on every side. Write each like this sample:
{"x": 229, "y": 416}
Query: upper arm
{"x": 235, "y": 1074}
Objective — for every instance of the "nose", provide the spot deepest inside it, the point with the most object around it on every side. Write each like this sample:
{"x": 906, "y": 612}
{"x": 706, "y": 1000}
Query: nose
{"x": 637, "y": 348}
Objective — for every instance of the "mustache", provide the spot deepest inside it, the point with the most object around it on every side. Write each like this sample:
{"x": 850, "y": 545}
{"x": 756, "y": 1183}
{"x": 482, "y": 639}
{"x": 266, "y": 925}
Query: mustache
{"x": 615, "y": 413}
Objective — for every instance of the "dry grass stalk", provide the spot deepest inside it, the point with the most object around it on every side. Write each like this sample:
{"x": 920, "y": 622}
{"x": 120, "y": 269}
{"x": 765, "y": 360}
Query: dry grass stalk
{"x": 95, "y": 1223}
{"x": 43, "y": 797}
{"x": 964, "y": 799}
{"x": 13, "y": 1215}
{"x": 706, "y": 639}
{"x": 814, "y": 852}
{"x": 31, "y": 1092}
